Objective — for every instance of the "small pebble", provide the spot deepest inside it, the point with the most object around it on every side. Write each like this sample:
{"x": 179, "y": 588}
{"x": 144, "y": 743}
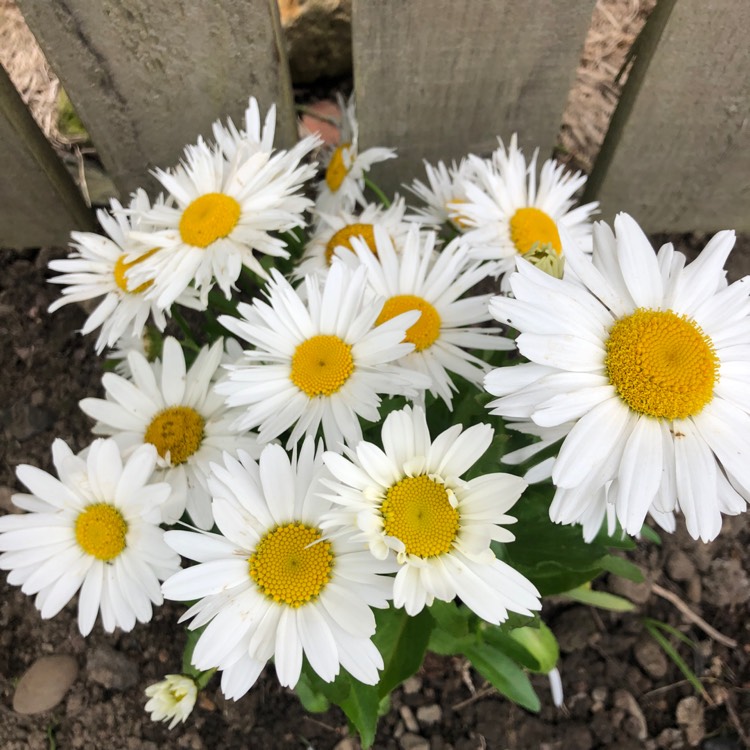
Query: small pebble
{"x": 44, "y": 684}
{"x": 428, "y": 715}
{"x": 407, "y": 715}
{"x": 650, "y": 656}
{"x": 412, "y": 685}
{"x": 411, "y": 741}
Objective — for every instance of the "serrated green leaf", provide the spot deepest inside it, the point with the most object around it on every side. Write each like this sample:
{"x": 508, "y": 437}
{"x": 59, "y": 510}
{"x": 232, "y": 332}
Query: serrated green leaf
{"x": 504, "y": 674}
{"x": 402, "y": 641}
{"x": 361, "y": 708}
{"x": 622, "y": 567}
{"x": 600, "y": 599}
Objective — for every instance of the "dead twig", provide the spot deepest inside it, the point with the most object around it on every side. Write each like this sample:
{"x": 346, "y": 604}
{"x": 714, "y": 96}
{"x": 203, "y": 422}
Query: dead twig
{"x": 483, "y": 693}
{"x": 710, "y": 631}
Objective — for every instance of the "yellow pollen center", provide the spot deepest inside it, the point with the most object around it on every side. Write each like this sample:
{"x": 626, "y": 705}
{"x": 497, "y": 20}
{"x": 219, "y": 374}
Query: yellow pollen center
{"x": 425, "y": 331}
{"x": 661, "y": 364}
{"x": 290, "y": 565}
{"x": 337, "y": 169}
{"x": 178, "y": 430}
{"x": 530, "y": 227}
{"x": 321, "y": 365}
{"x": 209, "y": 218}
{"x": 121, "y": 267}
{"x": 343, "y": 238}
{"x": 417, "y": 511}
{"x": 100, "y": 531}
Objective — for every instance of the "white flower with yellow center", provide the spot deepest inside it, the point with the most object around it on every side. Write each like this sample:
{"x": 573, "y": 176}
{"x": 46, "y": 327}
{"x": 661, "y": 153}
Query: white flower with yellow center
{"x": 253, "y": 138}
{"x": 417, "y": 278}
{"x": 318, "y": 361}
{"x": 507, "y": 214}
{"x": 272, "y": 584}
{"x": 220, "y": 214}
{"x": 176, "y": 411}
{"x": 98, "y": 268}
{"x": 338, "y": 230}
{"x": 409, "y": 500}
{"x": 646, "y": 359}
{"x": 96, "y": 529}
{"x": 443, "y": 195}
{"x": 344, "y": 179}
{"x": 172, "y": 699}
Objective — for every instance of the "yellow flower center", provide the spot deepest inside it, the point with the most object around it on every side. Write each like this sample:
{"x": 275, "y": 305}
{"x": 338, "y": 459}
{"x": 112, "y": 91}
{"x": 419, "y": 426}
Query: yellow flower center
{"x": 417, "y": 511}
{"x": 121, "y": 267}
{"x": 209, "y": 218}
{"x": 661, "y": 364}
{"x": 530, "y": 227}
{"x": 177, "y": 431}
{"x": 321, "y": 365}
{"x": 425, "y": 331}
{"x": 290, "y": 565}
{"x": 343, "y": 238}
{"x": 101, "y": 530}
{"x": 337, "y": 169}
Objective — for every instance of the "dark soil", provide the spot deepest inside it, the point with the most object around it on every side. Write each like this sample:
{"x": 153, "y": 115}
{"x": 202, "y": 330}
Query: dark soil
{"x": 621, "y": 691}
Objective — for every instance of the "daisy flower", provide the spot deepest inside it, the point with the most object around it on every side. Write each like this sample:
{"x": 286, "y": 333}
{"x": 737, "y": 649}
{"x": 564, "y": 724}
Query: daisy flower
{"x": 419, "y": 279}
{"x": 96, "y": 529}
{"x": 443, "y": 195}
{"x": 172, "y": 698}
{"x": 646, "y": 359}
{"x": 338, "y": 230}
{"x": 253, "y": 138}
{"x": 220, "y": 213}
{"x": 271, "y": 584}
{"x": 509, "y": 215}
{"x": 344, "y": 180}
{"x": 409, "y": 500}
{"x": 175, "y": 410}
{"x": 98, "y": 267}
{"x": 318, "y": 361}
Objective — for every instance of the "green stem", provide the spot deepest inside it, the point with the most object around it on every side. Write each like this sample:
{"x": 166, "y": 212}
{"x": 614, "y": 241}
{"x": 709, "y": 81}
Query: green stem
{"x": 381, "y": 196}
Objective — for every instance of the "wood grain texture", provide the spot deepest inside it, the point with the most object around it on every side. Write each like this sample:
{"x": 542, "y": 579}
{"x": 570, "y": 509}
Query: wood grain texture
{"x": 39, "y": 202}
{"x": 439, "y": 78}
{"x": 679, "y": 158}
{"x": 147, "y": 77}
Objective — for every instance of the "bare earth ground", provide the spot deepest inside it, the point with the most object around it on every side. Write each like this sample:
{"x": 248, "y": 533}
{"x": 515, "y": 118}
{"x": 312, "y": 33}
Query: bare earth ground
{"x": 621, "y": 691}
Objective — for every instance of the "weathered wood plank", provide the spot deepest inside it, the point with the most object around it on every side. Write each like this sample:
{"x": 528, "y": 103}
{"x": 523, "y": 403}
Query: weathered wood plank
{"x": 677, "y": 156}
{"x": 39, "y": 202}
{"x": 438, "y": 78}
{"x": 148, "y": 77}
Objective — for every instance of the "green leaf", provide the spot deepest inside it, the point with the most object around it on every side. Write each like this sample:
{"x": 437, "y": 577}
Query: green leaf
{"x": 515, "y": 650}
{"x": 650, "y": 535}
{"x": 622, "y": 567}
{"x": 402, "y": 641}
{"x": 600, "y": 599}
{"x": 451, "y": 618}
{"x": 541, "y": 643}
{"x": 311, "y": 699}
{"x": 361, "y": 708}
{"x": 504, "y": 674}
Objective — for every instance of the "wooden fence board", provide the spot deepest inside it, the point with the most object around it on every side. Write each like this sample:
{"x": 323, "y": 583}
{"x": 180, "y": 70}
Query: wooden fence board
{"x": 677, "y": 156}
{"x": 437, "y": 78}
{"x": 147, "y": 77}
{"x": 39, "y": 202}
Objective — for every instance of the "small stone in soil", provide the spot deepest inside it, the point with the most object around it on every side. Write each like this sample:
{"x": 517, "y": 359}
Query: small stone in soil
{"x": 637, "y": 727}
{"x": 44, "y": 684}
{"x": 679, "y": 566}
{"x": 111, "y": 669}
{"x": 690, "y": 716}
{"x": 651, "y": 658}
{"x": 410, "y": 741}
{"x": 428, "y": 715}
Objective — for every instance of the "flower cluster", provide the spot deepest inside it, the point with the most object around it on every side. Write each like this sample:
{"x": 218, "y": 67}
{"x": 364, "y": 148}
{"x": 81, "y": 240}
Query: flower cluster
{"x": 311, "y": 436}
